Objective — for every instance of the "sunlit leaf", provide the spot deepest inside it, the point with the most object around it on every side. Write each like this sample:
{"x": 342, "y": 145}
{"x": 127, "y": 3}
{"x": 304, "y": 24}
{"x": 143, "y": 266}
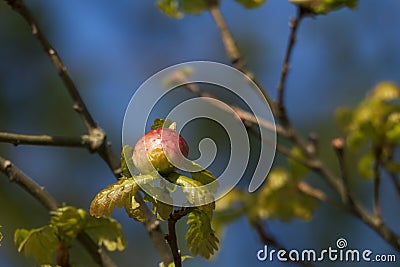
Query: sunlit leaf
{"x": 194, "y": 7}
{"x": 68, "y": 221}
{"x": 200, "y": 236}
{"x": 126, "y": 160}
{"x": 393, "y": 128}
{"x": 170, "y": 8}
{"x": 161, "y": 123}
{"x": 118, "y": 194}
{"x": 279, "y": 198}
{"x": 107, "y": 232}
{"x": 160, "y": 209}
{"x": 195, "y": 193}
{"x": 205, "y": 177}
{"x": 38, "y": 243}
{"x": 366, "y": 164}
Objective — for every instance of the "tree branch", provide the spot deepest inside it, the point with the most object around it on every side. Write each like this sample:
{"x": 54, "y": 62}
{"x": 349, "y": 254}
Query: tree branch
{"x": 233, "y": 51}
{"x": 102, "y": 147}
{"x": 40, "y": 194}
{"x": 46, "y": 140}
{"x": 173, "y": 243}
{"x": 79, "y": 106}
{"x": 294, "y": 25}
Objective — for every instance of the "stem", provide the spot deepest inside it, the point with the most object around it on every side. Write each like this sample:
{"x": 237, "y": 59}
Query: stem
{"x": 338, "y": 146}
{"x": 173, "y": 243}
{"x": 63, "y": 256}
{"x": 294, "y": 25}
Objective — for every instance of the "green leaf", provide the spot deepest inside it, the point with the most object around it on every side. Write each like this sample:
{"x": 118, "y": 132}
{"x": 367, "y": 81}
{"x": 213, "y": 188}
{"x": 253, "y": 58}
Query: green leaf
{"x": 68, "y": 221}
{"x": 279, "y": 198}
{"x": 39, "y": 243}
{"x": 194, "y": 7}
{"x": 170, "y": 8}
{"x": 297, "y": 170}
{"x": 366, "y": 164}
{"x": 200, "y": 236}
{"x": 133, "y": 210}
{"x": 204, "y": 177}
{"x": 126, "y": 160}
{"x": 393, "y": 128}
{"x": 161, "y": 123}
{"x": 195, "y": 193}
{"x": 324, "y": 6}
{"x": 251, "y": 3}
{"x": 160, "y": 209}
{"x": 107, "y": 232}
{"x": 355, "y": 140}
{"x": 119, "y": 194}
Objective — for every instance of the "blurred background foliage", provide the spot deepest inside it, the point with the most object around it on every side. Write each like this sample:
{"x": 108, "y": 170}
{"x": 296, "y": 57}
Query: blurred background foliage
{"x": 111, "y": 48}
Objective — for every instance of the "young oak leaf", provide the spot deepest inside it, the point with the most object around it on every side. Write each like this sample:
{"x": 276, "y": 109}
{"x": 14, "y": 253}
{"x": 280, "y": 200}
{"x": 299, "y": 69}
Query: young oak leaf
{"x": 68, "y": 221}
{"x": 39, "y": 243}
{"x": 160, "y": 209}
{"x": 126, "y": 160}
{"x": 200, "y": 236}
{"x": 107, "y": 232}
{"x": 195, "y": 192}
{"x": 205, "y": 177}
{"x": 118, "y": 194}
{"x": 279, "y": 198}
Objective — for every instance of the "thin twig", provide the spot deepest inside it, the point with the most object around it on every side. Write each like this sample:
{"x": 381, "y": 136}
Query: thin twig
{"x": 338, "y": 146}
{"x": 294, "y": 25}
{"x": 233, "y": 51}
{"x": 171, "y": 237}
{"x": 40, "y": 194}
{"x": 46, "y": 140}
{"x": 244, "y": 115}
{"x": 173, "y": 243}
{"x": 307, "y": 189}
{"x": 79, "y": 105}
